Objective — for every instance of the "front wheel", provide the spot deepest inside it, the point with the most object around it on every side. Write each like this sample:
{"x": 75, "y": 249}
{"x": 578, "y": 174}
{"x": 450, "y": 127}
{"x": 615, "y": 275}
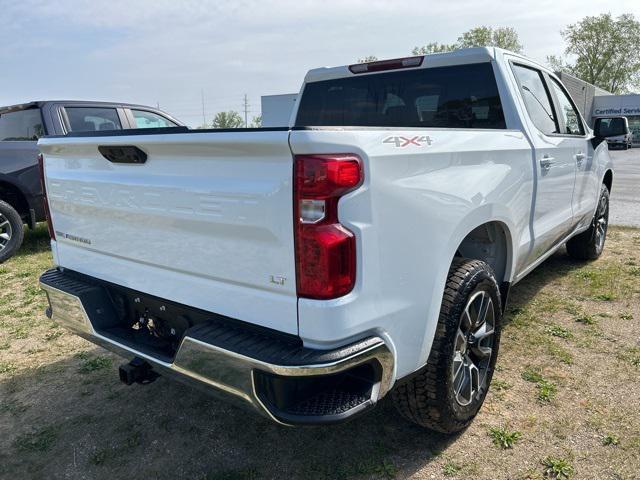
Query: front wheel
{"x": 448, "y": 392}
{"x": 589, "y": 244}
{"x": 11, "y": 231}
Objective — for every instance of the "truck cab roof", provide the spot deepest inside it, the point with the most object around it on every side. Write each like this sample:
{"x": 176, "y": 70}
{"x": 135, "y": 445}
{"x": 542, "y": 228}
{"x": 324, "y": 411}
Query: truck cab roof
{"x": 456, "y": 57}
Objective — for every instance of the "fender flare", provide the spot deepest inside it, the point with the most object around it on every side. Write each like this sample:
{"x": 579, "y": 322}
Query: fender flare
{"x": 483, "y": 214}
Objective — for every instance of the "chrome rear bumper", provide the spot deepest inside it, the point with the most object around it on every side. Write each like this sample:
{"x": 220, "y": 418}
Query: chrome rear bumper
{"x": 244, "y": 375}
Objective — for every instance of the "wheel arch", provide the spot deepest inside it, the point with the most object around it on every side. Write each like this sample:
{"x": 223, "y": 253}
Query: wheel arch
{"x": 13, "y": 195}
{"x": 491, "y": 243}
{"x": 607, "y": 179}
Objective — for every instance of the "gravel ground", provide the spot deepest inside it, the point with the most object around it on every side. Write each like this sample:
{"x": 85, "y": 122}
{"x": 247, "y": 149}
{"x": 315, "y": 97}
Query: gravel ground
{"x": 625, "y": 197}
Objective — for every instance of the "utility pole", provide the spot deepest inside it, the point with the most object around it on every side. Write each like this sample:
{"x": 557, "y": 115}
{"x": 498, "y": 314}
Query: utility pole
{"x": 204, "y": 117}
{"x": 246, "y": 111}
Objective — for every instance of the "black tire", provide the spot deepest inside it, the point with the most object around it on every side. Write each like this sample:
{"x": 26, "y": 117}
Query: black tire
{"x": 11, "y": 226}
{"x": 589, "y": 244}
{"x": 428, "y": 397}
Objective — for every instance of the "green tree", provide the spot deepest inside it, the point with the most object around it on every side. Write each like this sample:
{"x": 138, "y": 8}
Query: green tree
{"x": 604, "y": 51}
{"x": 256, "y": 122}
{"x": 503, "y": 37}
{"x": 230, "y": 119}
{"x": 433, "y": 47}
{"x": 367, "y": 59}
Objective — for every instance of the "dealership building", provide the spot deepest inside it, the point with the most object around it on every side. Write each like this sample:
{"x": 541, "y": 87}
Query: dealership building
{"x": 620, "y": 105}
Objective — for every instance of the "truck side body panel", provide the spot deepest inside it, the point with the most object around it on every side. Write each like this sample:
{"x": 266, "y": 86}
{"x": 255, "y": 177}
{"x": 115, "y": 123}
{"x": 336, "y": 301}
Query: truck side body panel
{"x": 18, "y": 168}
{"x": 417, "y": 204}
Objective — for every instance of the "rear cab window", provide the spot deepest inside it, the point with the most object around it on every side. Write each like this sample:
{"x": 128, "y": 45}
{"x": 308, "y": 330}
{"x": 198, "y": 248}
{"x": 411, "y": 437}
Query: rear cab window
{"x": 21, "y": 125}
{"x": 92, "y": 119}
{"x": 571, "y": 123}
{"x": 146, "y": 119}
{"x": 461, "y": 96}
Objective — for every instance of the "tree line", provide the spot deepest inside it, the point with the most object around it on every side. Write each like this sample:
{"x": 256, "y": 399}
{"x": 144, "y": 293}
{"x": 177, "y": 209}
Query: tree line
{"x": 602, "y": 50}
{"x": 232, "y": 119}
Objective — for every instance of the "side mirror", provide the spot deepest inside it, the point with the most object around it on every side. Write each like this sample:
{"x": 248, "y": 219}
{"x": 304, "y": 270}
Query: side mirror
{"x": 610, "y": 127}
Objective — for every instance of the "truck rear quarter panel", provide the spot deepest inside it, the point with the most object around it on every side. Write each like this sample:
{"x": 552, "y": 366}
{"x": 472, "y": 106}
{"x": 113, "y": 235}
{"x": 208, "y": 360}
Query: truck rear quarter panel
{"x": 417, "y": 203}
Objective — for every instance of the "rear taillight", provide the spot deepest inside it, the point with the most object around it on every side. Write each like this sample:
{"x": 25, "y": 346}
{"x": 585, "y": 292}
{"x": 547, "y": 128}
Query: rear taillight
{"x": 47, "y": 212}
{"x": 325, "y": 249}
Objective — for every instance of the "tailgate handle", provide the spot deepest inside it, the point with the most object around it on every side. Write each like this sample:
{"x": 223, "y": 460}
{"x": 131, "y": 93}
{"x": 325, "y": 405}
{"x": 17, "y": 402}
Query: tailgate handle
{"x": 123, "y": 153}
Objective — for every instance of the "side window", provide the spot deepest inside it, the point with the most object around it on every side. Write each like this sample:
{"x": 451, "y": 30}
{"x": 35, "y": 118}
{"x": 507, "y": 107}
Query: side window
{"x": 536, "y": 98}
{"x": 151, "y": 120}
{"x": 23, "y": 125}
{"x": 572, "y": 123}
{"x": 92, "y": 119}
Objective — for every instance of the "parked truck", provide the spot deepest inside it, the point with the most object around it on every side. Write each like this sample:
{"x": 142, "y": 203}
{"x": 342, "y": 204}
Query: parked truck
{"x": 22, "y": 125}
{"x": 367, "y": 249}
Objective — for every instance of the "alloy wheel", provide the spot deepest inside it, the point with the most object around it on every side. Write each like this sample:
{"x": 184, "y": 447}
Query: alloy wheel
{"x": 473, "y": 348}
{"x": 601, "y": 222}
{"x": 6, "y": 232}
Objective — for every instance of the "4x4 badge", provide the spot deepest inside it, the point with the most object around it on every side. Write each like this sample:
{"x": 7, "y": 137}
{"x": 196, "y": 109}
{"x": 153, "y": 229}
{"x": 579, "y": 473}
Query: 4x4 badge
{"x": 401, "y": 142}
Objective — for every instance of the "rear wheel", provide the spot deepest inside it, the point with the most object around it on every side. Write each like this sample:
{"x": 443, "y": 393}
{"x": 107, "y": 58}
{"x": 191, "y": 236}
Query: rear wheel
{"x": 590, "y": 243}
{"x": 11, "y": 231}
{"x": 448, "y": 392}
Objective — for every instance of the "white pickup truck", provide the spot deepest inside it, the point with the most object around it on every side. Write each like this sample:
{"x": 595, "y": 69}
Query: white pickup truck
{"x": 367, "y": 249}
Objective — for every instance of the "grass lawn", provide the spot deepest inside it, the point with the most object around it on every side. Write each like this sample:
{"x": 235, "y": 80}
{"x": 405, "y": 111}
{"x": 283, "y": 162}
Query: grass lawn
{"x": 565, "y": 400}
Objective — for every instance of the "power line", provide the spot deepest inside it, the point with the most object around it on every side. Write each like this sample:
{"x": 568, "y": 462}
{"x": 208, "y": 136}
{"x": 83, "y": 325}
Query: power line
{"x": 204, "y": 117}
{"x": 209, "y": 103}
{"x": 246, "y": 110}
{"x": 185, "y": 109}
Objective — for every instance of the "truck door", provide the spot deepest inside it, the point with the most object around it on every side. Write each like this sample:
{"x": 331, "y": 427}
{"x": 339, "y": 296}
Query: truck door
{"x": 553, "y": 157}
{"x": 587, "y": 185}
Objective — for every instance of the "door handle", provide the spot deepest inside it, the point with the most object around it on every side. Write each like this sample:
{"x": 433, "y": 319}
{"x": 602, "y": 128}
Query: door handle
{"x": 580, "y": 158}
{"x": 123, "y": 153}
{"x": 546, "y": 162}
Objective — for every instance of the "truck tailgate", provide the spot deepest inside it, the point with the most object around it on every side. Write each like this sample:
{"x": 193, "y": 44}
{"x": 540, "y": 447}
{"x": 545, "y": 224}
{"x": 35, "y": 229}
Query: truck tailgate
{"x": 206, "y": 221}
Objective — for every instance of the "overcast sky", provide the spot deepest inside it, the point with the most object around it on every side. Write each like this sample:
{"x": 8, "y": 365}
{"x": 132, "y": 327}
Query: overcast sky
{"x": 168, "y": 51}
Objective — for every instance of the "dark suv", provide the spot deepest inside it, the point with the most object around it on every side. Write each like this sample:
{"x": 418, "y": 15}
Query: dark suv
{"x": 20, "y": 128}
